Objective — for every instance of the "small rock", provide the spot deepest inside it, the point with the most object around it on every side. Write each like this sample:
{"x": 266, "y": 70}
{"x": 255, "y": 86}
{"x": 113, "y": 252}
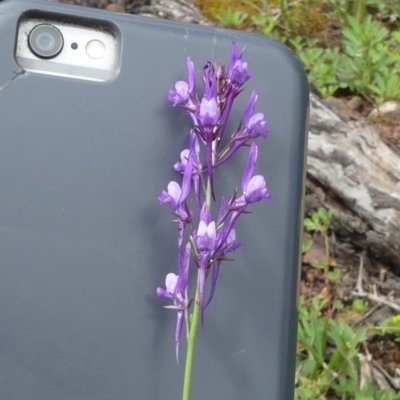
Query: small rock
{"x": 387, "y": 111}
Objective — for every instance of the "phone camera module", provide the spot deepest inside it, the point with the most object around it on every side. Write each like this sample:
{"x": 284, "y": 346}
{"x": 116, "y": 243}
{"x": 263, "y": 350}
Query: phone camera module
{"x": 45, "y": 41}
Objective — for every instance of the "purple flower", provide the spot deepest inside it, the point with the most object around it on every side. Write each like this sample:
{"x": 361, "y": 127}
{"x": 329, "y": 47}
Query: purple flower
{"x": 171, "y": 281}
{"x": 208, "y": 115}
{"x": 253, "y": 187}
{"x": 172, "y": 195}
{"x": 194, "y": 152}
{"x": 191, "y": 76}
{"x": 237, "y": 72}
{"x": 180, "y": 95}
{"x": 206, "y": 234}
{"x": 176, "y": 195}
{"x": 180, "y": 166}
{"x": 175, "y": 289}
{"x": 254, "y": 123}
{"x": 210, "y": 81}
{"x": 206, "y": 239}
{"x": 229, "y": 245}
{"x": 183, "y": 92}
{"x": 254, "y": 126}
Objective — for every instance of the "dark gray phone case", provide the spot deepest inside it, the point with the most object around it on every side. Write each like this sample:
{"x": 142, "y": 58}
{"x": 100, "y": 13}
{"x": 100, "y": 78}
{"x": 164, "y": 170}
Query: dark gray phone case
{"x": 84, "y": 242}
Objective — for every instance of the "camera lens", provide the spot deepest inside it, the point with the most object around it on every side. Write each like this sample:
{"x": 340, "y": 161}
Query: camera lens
{"x": 45, "y": 41}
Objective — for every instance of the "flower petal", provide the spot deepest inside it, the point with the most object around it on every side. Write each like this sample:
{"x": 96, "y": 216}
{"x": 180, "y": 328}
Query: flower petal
{"x": 211, "y": 231}
{"x": 205, "y": 215}
{"x": 202, "y": 284}
{"x": 202, "y": 229}
{"x": 163, "y": 293}
{"x": 191, "y": 76}
{"x": 181, "y": 165}
{"x": 178, "y": 333}
{"x": 183, "y": 281}
{"x": 171, "y": 281}
{"x": 214, "y": 278}
{"x": 256, "y": 190}
{"x": 208, "y": 114}
{"x": 251, "y": 104}
{"x": 186, "y": 181}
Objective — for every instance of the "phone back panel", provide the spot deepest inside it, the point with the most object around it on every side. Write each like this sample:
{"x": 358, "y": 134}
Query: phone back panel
{"x": 84, "y": 242}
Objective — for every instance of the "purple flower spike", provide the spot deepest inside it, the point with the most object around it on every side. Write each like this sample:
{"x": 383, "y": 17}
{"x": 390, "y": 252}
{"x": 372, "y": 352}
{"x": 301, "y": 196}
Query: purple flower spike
{"x": 254, "y": 123}
{"x": 213, "y": 239}
{"x": 237, "y": 72}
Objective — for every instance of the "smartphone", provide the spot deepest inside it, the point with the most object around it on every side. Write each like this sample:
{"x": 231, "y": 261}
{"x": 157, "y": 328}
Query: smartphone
{"x": 86, "y": 146}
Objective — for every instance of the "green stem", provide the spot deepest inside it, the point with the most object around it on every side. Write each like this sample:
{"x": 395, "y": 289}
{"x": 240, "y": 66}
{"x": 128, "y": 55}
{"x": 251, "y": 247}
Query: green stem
{"x": 194, "y": 325}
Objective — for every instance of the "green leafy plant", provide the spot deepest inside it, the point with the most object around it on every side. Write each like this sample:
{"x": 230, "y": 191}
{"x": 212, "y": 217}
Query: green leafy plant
{"x": 327, "y": 355}
{"x": 266, "y": 24}
{"x": 232, "y": 18}
{"x": 320, "y": 222}
{"x": 360, "y": 306}
{"x": 328, "y": 363}
{"x": 390, "y": 326}
{"x": 323, "y": 65}
{"x": 370, "y": 61}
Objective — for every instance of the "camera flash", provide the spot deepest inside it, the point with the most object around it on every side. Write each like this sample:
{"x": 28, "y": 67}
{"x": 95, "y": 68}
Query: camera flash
{"x": 95, "y": 49}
